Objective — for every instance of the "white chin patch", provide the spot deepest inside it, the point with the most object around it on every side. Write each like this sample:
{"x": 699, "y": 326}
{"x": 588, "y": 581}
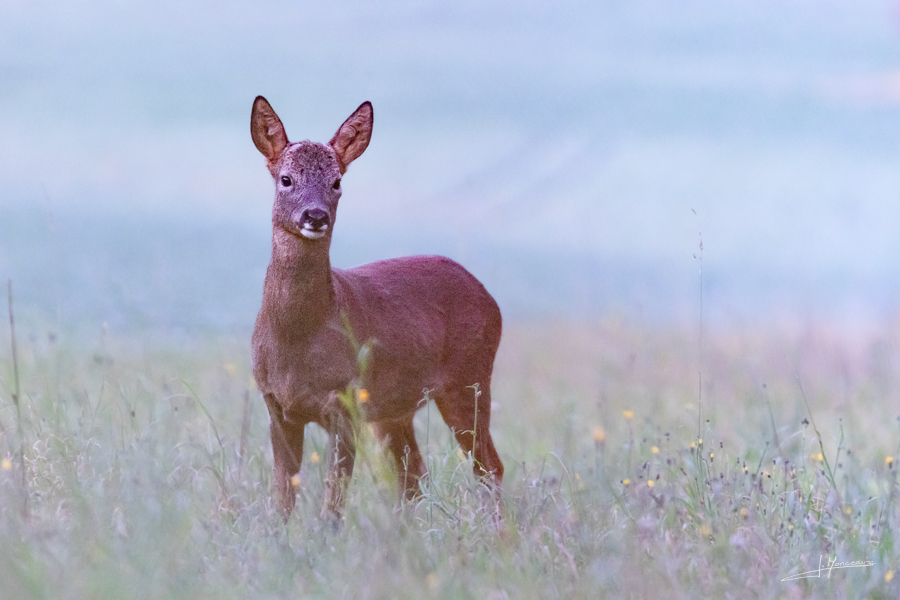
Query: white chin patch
{"x": 312, "y": 235}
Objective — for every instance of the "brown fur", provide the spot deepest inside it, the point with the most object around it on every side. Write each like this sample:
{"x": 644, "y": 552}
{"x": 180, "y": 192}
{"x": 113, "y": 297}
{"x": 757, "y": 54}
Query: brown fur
{"x": 430, "y": 324}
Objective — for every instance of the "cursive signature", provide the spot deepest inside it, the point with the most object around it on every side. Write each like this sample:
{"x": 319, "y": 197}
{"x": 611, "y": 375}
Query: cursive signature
{"x": 832, "y": 564}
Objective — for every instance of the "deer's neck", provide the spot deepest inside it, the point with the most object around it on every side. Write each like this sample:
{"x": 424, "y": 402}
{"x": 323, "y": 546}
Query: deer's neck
{"x": 298, "y": 294}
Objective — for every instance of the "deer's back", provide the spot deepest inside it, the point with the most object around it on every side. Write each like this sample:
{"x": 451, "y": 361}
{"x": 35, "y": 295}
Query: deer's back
{"x": 431, "y": 324}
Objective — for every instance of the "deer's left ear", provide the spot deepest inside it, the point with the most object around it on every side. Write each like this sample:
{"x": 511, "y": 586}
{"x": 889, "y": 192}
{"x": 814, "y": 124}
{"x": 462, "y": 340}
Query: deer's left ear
{"x": 352, "y": 138}
{"x": 267, "y": 131}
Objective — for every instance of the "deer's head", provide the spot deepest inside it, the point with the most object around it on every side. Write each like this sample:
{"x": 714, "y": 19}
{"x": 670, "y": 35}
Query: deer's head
{"x": 308, "y": 174}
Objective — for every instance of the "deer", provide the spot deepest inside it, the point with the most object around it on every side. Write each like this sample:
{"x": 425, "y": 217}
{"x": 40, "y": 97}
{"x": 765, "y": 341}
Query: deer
{"x": 430, "y": 329}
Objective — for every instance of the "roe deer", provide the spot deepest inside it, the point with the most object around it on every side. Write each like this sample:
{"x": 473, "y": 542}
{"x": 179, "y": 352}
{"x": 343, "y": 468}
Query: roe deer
{"x": 428, "y": 324}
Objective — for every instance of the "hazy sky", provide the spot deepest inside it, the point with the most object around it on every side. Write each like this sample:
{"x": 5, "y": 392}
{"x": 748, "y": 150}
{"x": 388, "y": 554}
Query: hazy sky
{"x": 569, "y": 153}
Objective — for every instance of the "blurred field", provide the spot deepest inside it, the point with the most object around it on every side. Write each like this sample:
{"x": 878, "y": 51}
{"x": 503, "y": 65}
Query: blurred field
{"x": 140, "y": 483}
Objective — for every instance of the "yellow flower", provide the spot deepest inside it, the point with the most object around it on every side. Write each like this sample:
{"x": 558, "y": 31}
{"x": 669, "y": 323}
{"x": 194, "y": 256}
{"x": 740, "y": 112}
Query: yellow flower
{"x": 744, "y": 512}
{"x": 705, "y": 529}
{"x": 650, "y": 483}
{"x": 693, "y": 445}
{"x": 889, "y": 575}
{"x": 847, "y": 510}
{"x": 432, "y": 581}
{"x": 626, "y": 481}
{"x": 295, "y": 481}
{"x": 890, "y": 461}
{"x": 700, "y": 442}
{"x": 231, "y": 368}
{"x": 711, "y": 455}
{"x": 821, "y": 457}
{"x": 314, "y": 457}
{"x": 363, "y": 395}
{"x": 599, "y": 434}
{"x": 654, "y": 450}
{"x": 7, "y": 464}
{"x": 629, "y": 414}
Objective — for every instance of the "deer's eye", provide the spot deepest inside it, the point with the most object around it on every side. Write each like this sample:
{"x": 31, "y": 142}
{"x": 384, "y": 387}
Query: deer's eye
{"x": 285, "y": 181}
{"x": 336, "y": 185}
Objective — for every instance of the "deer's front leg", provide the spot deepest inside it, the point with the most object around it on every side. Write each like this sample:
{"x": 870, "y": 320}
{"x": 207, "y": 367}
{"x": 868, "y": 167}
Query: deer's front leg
{"x": 287, "y": 448}
{"x": 341, "y": 455}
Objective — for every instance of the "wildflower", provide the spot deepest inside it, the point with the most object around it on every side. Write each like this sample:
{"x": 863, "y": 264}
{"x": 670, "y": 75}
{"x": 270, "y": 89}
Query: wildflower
{"x": 890, "y": 462}
{"x": 705, "y": 529}
{"x": 314, "y": 457}
{"x": 629, "y": 414}
{"x": 363, "y": 395}
{"x": 821, "y": 457}
{"x": 7, "y": 464}
{"x": 744, "y": 512}
{"x": 295, "y": 481}
{"x": 626, "y": 481}
{"x": 599, "y": 434}
{"x": 230, "y": 368}
{"x": 700, "y": 442}
{"x": 431, "y": 580}
{"x": 888, "y": 576}
{"x": 650, "y": 483}
{"x": 711, "y": 455}
{"x": 654, "y": 450}
{"x": 693, "y": 445}
{"x": 847, "y": 510}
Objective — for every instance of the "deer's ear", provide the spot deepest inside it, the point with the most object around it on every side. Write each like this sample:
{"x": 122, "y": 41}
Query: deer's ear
{"x": 267, "y": 131}
{"x": 352, "y": 138}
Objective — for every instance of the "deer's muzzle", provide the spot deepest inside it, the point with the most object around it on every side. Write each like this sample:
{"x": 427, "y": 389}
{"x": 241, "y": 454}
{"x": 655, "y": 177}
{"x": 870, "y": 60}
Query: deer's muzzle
{"x": 314, "y": 223}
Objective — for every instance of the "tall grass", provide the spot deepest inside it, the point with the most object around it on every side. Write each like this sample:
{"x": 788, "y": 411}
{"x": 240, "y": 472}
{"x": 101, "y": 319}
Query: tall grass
{"x": 147, "y": 468}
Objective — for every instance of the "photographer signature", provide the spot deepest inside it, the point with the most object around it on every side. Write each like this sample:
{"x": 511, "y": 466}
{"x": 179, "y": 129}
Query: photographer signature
{"x": 832, "y": 564}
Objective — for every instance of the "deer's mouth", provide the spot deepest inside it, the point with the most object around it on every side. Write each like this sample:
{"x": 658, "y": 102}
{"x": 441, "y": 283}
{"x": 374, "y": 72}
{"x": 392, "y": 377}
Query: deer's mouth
{"x": 313, "y": 234}
{"x": 305, "y": 233}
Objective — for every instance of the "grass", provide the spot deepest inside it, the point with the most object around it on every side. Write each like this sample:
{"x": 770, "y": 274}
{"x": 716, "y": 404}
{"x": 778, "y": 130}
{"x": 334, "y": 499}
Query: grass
{"x": 147, "y": 472}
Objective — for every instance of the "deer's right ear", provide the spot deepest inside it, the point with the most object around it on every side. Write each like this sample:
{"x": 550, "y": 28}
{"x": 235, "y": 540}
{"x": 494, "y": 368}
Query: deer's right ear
{"x": 353, "y": 137}
{"x": 267, "y": 131}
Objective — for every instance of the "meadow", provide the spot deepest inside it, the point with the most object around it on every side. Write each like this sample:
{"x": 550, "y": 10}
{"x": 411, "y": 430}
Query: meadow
{"x": 146, "y": 472}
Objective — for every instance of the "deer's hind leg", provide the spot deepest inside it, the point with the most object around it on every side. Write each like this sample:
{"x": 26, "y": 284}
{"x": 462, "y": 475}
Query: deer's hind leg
{"x": 467, "y": 412}
{"x": 399, "y": 437}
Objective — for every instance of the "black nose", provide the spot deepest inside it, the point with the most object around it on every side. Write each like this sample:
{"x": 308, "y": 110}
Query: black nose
{"x": 316, "y": 219}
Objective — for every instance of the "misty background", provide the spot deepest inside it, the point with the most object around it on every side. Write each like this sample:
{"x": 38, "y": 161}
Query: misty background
{"x": 571, "y": 155}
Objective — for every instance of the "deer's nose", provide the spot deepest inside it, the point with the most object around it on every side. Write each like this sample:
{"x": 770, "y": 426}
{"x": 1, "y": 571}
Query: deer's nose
{"x": 315, "y": 219}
